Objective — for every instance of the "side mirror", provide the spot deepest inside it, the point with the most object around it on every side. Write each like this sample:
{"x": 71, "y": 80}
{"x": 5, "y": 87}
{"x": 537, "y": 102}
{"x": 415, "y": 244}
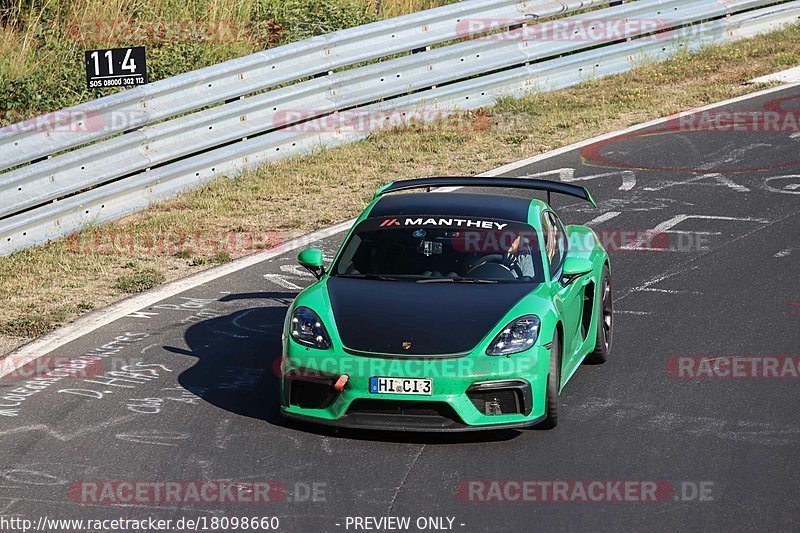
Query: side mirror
{"x": 575, "y": 267}
{"x": 311, "y": 259}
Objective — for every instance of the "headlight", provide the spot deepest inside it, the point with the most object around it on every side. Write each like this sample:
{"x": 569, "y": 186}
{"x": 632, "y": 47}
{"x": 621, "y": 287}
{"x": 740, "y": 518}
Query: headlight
{"x": 517, "y": 336}
{"x": 307, "y": 329}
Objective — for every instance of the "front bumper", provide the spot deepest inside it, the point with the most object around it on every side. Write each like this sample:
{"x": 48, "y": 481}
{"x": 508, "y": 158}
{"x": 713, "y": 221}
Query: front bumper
{"x": 469, "y": 392}
{"x": 406, "y": 423}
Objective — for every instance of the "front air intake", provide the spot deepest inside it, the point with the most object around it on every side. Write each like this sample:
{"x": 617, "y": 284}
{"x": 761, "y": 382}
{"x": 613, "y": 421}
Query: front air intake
{"x": 506, "y": 397}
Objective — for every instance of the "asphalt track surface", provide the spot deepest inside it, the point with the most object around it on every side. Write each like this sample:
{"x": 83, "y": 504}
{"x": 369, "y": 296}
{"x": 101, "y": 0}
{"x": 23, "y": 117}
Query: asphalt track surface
{"x": 208, "y": 408}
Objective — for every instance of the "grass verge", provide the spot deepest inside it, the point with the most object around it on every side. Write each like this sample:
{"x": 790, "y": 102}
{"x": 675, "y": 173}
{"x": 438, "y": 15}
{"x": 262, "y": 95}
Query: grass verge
{"x": 43, "y": 287}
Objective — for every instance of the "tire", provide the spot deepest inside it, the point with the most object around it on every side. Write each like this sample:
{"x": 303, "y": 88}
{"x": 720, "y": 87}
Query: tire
{"x": 553, "y": 382}
{"x": 605, "y": 322}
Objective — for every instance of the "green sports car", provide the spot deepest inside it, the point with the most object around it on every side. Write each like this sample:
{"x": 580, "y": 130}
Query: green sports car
{"x": 448, "y": 311}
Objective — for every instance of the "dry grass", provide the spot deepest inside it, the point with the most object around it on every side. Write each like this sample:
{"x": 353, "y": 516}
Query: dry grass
{"x": 395, "y": 8}
{"x": 44, "y": 287}
{"x": 180, "y": 35}
{"x": 30, "y": 23}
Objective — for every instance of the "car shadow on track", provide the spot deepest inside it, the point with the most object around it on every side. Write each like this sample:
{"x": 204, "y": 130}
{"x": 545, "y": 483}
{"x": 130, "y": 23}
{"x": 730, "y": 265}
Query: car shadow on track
{"x": 237, "y": 370}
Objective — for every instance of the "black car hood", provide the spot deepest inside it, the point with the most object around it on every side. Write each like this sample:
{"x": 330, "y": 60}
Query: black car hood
{"x": 436, "y": 318}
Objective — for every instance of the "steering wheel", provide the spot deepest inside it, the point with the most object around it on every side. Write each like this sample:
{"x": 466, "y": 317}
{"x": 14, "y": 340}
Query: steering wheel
{"x": 490, "y": 270}
{"x": 506, "y": 260}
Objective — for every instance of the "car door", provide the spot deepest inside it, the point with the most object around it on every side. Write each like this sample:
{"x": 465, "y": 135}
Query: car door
{"x": 570, "y": 295}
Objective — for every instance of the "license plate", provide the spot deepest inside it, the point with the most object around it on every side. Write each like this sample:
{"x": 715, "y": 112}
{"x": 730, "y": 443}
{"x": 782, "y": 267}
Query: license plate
{"x": 380, "y": 385}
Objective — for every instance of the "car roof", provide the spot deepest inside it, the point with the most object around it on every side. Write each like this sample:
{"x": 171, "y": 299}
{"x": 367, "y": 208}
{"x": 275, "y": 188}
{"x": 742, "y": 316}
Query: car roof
{"x": 496, "y": 206}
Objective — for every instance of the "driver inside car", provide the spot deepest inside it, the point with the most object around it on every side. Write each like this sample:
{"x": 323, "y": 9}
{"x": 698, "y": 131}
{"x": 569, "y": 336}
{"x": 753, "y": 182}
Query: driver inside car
{"x": 521, "y": 258}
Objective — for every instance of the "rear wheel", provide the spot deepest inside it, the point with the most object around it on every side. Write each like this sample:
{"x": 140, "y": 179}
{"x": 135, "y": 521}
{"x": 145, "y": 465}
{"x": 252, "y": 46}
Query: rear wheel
{"x": 553, "y": 382}
{"x": 605, "y": 322}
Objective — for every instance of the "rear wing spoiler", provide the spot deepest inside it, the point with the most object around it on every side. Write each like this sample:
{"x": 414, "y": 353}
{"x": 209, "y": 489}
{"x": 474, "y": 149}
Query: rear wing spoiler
{"x": 477, "y": 181}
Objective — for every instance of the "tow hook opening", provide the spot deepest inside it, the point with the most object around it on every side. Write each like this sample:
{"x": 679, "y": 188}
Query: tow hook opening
{"x": 341, "y": 382}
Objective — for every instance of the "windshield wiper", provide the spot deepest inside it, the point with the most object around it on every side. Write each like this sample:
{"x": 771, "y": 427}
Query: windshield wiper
{"x": 456, "y": 280}
{"x": 416, "y": 278}
{"x": 371, "y": 276}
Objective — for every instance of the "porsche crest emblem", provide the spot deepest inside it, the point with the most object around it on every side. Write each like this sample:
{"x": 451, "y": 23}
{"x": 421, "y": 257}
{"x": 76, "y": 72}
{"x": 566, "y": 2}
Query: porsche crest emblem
{"x": 406, "y": 345}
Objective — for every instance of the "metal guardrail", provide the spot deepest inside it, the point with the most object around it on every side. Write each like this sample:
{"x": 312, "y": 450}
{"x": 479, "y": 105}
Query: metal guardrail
{"x": 155, "y": 162}
{"x": 151, "y": 146}
{"x": 270, "y": 68}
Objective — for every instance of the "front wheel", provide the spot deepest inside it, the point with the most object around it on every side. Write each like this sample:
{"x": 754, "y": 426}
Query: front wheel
{"x": 553, "y": 382}
{"x": 605, "y": 322}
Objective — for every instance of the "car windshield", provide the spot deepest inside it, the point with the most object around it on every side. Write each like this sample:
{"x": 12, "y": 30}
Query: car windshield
{"x": 427, "y": 249}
